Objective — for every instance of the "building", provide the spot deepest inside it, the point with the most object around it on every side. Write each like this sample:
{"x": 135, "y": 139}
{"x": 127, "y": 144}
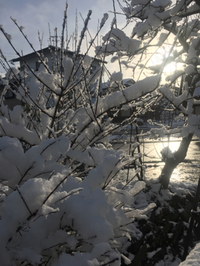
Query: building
{"x": 51, "y": 53}
{"x": 51, "y": 57}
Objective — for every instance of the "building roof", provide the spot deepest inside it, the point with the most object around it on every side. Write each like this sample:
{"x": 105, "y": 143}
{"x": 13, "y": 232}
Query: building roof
{"x": 45, "y": 51}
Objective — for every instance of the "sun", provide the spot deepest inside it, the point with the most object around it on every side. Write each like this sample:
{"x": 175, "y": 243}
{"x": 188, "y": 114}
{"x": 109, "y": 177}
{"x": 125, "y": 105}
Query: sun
{"x": 170, "y": 68}
{"x": 160, "y": 61}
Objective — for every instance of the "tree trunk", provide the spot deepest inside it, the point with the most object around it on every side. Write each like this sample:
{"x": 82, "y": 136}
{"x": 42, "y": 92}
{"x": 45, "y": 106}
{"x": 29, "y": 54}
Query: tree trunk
{"x": 171, "y": 163}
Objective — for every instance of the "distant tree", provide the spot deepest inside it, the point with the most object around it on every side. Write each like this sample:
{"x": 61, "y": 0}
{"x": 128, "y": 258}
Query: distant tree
{"x": 63, "y": 196}
{"x": 164, "y": 41}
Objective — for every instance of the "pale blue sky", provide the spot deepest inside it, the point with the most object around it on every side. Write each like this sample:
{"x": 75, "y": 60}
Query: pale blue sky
{"x": 35, "y": 15}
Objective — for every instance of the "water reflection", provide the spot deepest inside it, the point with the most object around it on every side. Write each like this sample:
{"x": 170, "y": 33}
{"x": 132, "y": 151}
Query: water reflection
{"x": 187, "y": 171}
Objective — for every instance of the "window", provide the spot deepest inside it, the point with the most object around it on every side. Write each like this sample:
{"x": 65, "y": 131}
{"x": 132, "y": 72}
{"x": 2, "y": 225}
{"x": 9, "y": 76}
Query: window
{"x": 37, "y": 65}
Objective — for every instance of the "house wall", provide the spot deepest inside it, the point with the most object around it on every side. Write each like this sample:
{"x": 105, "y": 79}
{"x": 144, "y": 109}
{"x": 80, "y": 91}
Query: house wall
{"x": 32, "y": 60}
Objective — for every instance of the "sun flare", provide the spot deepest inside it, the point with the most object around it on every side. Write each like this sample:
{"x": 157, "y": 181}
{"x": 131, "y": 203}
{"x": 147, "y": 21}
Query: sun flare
{"x": 160, "y": 61}
{"x": 170, "y": 68}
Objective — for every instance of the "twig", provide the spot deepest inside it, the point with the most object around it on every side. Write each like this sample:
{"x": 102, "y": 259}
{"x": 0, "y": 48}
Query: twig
{"x": 17, "y": 188}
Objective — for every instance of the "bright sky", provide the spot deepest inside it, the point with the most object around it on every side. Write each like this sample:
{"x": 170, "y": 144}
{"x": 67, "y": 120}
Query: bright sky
{"x": 35, "y": 15}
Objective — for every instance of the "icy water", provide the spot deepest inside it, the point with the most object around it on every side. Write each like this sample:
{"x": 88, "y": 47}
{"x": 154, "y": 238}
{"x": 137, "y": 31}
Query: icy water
{"x": 187, "y": 171}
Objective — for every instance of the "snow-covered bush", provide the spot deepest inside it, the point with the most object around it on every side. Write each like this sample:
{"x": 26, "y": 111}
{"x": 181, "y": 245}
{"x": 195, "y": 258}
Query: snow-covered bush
{"x": 62, "y": 199}
{"x": 52, "y": 214}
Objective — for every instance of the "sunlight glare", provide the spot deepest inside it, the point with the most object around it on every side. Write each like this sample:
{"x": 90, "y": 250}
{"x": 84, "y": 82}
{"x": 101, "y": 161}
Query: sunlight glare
{"x": 170, "y": 68}
{"x": 160, "y": 57}
{"x": 173, "y": 144}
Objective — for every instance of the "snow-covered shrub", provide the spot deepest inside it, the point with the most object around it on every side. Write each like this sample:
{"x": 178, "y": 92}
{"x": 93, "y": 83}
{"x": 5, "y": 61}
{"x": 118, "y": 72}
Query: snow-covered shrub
{"x": 62, "y": 199}
{"x": 52, "y": 214}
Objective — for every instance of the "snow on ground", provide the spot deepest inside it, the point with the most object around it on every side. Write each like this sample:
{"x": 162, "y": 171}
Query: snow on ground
{"x": 193, "y": 259}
